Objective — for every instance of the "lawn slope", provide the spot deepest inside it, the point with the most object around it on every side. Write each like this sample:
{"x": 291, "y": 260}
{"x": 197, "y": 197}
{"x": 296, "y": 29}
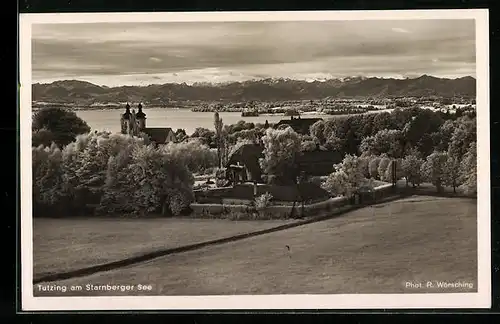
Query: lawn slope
{"x": 61, "y": 245}
{"x": 372, "y": 250}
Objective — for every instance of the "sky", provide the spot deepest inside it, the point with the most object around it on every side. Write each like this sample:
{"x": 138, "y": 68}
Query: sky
{"x": 114, "y": 54}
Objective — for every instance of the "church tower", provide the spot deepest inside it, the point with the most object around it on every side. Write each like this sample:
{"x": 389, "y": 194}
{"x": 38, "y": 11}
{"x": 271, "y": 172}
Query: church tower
{"x": 133, "y": 124}
{"x": 125, "y": 120}
{"x": 141, "y": 118}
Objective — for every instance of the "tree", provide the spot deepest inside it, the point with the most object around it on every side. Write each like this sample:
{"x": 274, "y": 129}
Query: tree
{"x": 445, "y": 133}
{"x": 347, "y": 177}
{"x": 333, "y": 143}
{"x": 317, "y": 131}
{"x": 387, "y": 141}
{"x": 218, "y": 137}
{"x": 452, "y": 172}
{"x": 205, "y": 135}
{"x": 180, "y": 135}
{"x": 338, "y": 184}
{"x": 280, "y": 149}
{"x": 389, "y": 176}
{"x": 308, "y": 146}
{"x": 196, "y": 156}
{"x": 373, "y": 167}
{"x": 423, "y": 123}
{"x": 351, "y": 133}
{"x": 253, "y": 135}
{"x": 365, "y": 165}
{"x": 381, "y": 121}
{"x": 144, "y": 180}
{"x": 42, "y": 137}
{"x": 353, "y": 166}
{"x": 433, "y": 169}
{"x": 367, "y": 125}
{"x": 225, "y": 146}
{"x": 468, "y": 170}
{"x": 411, "y": 169}
{"x": 400, "y": 117}
{"x": 463, "y": 135}
{"x": 60, "y": 124}
{"x": 90, "y": 173}
{"x": 382, "y": 166}
{"x": 47, "y": 179}
{"x": 117, "y": 191}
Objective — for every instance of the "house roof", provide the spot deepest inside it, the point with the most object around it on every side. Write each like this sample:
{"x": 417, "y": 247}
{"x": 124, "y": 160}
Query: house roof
{"x": 300, "y": 125}
{"x": 158, "y": 135}
{"x": 248, "y": 155}
{"x": 245, "y": 153}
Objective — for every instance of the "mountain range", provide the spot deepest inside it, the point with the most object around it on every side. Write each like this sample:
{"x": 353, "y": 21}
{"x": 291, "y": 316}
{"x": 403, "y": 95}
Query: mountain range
{"x": 84, "y": 93}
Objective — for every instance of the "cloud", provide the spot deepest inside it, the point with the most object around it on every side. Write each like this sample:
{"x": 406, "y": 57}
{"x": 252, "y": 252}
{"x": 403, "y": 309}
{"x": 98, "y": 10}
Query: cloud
{"x": 240, "y": 50}
{"x": 400, "y": 30}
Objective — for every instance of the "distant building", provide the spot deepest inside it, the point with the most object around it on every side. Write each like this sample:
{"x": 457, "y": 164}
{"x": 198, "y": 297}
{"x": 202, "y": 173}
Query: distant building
{"x": 298, "y": 124}
{"x": 133, "y": 123}
{"x": 243, "y": 165}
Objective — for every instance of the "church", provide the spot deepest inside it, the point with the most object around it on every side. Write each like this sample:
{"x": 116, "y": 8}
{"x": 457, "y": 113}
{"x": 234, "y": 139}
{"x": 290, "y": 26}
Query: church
{"x": 134, "y": 124}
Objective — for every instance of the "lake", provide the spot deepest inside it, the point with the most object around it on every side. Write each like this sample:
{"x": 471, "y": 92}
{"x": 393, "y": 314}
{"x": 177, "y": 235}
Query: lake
{"x": 109, "y": 120}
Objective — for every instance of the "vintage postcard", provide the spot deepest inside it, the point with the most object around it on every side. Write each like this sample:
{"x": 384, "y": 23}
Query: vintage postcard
{"x": 255, "y": 160}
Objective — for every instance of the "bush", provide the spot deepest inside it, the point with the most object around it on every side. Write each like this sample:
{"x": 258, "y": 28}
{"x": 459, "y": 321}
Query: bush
{"x": 388, "y": 173}
{"x": 382, "y": 167}
{"x": 197, "y": 157}
{"x": 109, "y": 174}
{"x": 411, "y": 168}
{"x": 220, "y": 177}
{"x": 263, "y": 201}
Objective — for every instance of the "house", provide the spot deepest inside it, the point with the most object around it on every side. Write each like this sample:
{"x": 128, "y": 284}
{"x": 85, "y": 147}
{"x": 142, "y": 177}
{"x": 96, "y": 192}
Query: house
{"x": 299, "y": 125}
{"x": 133, "y": 123}
{"x": 243, "y": 165}
{"x": 160, "y": 135}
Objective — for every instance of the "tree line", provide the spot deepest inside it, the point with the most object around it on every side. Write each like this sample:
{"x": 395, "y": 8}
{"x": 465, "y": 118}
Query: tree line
{"x": 82, "y": 172}
{"x": 426, "y": 146}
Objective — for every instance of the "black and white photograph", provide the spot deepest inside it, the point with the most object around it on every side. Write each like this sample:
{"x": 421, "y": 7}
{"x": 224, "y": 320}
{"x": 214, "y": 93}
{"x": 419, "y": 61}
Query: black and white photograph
{"x": 255, "y": 160}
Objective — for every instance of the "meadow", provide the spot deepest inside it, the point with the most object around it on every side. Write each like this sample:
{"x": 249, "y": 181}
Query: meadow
{"x": 377, "y": 249}
{"x": 61, "y": 245}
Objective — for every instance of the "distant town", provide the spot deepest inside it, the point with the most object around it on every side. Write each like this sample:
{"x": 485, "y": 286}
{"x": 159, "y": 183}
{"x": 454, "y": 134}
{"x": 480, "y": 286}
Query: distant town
{"x": 295, "y": 107}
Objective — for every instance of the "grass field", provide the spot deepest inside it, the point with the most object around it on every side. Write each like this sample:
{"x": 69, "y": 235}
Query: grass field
{"x": 61, "y": 245}
{"x": 371, "y": 250}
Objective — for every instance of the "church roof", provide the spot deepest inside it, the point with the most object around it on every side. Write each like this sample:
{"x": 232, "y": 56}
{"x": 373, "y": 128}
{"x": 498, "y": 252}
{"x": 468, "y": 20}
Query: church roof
{"x": 158, "y": 134}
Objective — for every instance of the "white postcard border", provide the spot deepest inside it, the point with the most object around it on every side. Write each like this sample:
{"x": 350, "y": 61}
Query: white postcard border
{"x": 481, "y": 299}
